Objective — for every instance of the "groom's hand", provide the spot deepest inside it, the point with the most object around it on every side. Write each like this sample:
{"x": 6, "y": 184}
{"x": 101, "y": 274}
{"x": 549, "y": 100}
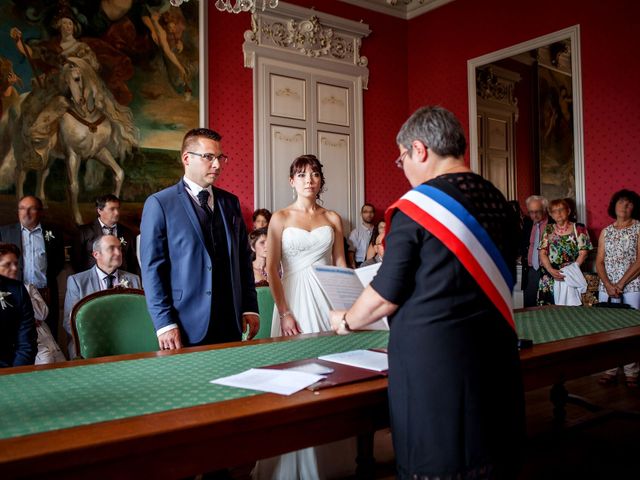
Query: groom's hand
{"x": 254, "y": 324}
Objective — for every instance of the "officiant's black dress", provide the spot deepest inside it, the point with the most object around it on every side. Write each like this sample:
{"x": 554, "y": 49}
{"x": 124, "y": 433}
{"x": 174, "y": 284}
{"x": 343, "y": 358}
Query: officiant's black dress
{"x": 455, "y": 389}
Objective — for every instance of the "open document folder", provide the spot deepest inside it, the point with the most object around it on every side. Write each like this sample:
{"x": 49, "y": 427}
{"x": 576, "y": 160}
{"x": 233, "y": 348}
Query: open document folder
{"x": 343, "y": 286}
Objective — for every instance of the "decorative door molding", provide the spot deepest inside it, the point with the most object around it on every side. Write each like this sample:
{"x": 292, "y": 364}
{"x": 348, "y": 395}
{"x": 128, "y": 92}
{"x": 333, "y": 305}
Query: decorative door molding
{"x": 571, "y": 33}
{"x": 308, "y": 77}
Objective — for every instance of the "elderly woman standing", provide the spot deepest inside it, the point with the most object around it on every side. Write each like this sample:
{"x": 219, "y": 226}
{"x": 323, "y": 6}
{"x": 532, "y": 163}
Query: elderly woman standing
{"x": 618, "y": 264}
{"x": 562, "y": 243}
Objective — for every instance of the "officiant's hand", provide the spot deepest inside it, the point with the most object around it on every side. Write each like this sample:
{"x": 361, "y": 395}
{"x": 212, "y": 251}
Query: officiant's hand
{"x": 337, "y": 325}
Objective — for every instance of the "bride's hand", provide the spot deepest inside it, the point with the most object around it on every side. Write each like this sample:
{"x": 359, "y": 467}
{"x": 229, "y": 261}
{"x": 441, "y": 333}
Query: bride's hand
{"x": 289, "y": 325}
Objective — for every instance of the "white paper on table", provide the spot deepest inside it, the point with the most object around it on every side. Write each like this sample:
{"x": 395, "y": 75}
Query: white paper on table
{"x": 343, "y": 286}
{"x": 366, "y": 359}
{"x": 283, "y": 382}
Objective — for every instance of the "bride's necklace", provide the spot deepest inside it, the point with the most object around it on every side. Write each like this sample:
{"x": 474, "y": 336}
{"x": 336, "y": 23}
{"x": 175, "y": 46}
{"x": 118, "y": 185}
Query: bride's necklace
{"x": 562, "y": 230}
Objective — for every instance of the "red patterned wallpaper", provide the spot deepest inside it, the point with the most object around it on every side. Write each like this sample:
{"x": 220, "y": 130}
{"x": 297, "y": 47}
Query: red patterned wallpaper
{"x": 441, "y": 42}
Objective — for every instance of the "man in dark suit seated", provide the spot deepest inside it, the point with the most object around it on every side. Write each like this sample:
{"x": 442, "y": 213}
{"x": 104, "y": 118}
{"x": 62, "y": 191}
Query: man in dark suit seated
{"x": 106, "y": 223}
{"x": 195, "y": 254}
{"x": 42, "y": 256}
{"x": 106, "y": 273}
{"x": 17, "y": 327}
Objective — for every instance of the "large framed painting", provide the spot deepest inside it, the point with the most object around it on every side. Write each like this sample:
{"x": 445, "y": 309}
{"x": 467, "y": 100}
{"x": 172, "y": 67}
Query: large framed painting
{"x": 555, "y": 107}
{"x": 96, "y": 96}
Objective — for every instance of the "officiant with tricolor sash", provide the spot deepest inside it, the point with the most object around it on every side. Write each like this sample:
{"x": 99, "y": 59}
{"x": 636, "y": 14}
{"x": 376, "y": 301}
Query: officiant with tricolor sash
{"x": 455, "y": 389}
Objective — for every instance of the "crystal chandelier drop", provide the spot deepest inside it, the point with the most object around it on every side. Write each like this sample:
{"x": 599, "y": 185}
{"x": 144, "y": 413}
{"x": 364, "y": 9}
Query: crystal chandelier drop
{"x": 236, "y": 6}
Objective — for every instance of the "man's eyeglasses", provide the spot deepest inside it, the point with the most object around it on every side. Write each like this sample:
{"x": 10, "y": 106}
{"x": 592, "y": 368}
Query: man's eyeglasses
{"x": 210, "y": 157}
{"x": 400, "y": 160}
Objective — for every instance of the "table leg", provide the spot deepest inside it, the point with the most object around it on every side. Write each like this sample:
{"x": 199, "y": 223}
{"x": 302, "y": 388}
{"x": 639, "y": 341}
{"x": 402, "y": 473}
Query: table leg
{"x": 365, "y": 463}
{"x": 558, "y": 397}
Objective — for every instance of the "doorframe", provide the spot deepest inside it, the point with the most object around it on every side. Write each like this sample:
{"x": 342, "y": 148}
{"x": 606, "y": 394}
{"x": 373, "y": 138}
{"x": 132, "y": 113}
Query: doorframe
{"x": 573, "y": 34}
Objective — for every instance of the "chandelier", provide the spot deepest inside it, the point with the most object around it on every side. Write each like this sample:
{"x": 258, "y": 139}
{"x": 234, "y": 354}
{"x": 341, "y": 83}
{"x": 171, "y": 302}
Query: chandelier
{"x": 236, "y": 6}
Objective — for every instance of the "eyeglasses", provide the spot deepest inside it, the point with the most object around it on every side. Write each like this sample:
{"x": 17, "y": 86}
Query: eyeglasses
{"x": 400, "y": 160}
{"x": 210, "y": 157}
{"x": 534, "y": 212}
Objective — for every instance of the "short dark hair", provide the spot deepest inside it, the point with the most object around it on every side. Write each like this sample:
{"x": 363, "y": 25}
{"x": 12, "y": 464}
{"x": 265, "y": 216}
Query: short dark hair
{"x": 7, "y": 248}
{"x": 254, "y": 236}
{"x": 38, "y": 201}
{"x": 261, "y": 211}
{"x": 367, "y": 205}
{"x": 437, "y": 128}
{"x": 301, "y": 162}
{"x": 625, "y": 194}
{"x": 102, "y": 200}
{"x": 192, "y": 135}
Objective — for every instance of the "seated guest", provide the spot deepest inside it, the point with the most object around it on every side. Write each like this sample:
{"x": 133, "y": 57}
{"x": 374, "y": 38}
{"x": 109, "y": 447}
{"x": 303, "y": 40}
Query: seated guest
{"x": 378, "y": 230}
{"x": 618, "y": 265}
{"x": 107, "y": 252}
{"x": 562, "y": 244}
{"x": 258, "y": 242}
{"x": 261, "y": 218}
{"x": 42, "y": 253}
{"x": 48, "y": 349}
{"x": 106, "y": 223}
{"x": 378, "y": 252}
{"x": 17, "y": 327}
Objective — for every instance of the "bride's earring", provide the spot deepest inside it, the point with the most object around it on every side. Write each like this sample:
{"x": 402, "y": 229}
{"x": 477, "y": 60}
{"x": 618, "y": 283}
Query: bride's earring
{"x": 293, "y": 193}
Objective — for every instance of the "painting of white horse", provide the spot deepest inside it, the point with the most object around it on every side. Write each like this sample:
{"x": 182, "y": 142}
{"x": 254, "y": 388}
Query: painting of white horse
{"x": 82, "y": 122}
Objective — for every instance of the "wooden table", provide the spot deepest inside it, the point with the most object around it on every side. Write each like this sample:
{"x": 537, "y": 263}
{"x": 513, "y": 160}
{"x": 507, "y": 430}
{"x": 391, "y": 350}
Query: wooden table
{"x": 183, "y": 442}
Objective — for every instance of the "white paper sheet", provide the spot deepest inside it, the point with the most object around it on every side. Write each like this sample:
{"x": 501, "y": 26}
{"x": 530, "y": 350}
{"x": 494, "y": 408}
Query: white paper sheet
{"x": 283, "y": 382}
{"x": 366, "y": 359}
{"x": 341, "y": 285}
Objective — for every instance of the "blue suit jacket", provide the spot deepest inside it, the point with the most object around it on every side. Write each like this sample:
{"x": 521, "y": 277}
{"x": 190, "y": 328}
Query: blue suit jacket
{"x": 17, "y": 326}
{"x": 176, "y": 266}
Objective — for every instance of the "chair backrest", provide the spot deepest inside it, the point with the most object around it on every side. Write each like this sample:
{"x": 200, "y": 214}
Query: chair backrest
{"x": 265, "y": 309}
{"x": 113, "y": 322}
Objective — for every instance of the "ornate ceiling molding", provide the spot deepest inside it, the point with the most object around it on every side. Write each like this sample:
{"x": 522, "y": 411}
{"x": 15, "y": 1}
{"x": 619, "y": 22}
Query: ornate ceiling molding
{"x": 290, "y": 29}
{"x": 406, "y": 9}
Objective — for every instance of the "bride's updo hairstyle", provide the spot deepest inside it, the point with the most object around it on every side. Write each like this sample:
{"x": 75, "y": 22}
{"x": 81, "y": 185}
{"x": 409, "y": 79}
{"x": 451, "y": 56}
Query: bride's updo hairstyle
{"x": 299, "y": 165}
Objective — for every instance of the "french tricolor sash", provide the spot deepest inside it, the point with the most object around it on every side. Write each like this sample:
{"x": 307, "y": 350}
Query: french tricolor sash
{"x": 450, "y": 222}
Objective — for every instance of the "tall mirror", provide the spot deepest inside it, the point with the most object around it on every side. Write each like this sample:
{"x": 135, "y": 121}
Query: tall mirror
{"x": 525, "y": 118}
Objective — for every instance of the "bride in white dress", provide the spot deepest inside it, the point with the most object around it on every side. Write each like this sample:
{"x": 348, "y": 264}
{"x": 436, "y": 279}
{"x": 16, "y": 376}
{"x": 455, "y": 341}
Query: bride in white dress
{"x": 301, "y": 235}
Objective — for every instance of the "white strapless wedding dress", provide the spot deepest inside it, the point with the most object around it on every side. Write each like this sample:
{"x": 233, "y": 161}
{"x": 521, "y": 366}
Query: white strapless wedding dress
{"x": 300, "y": 250}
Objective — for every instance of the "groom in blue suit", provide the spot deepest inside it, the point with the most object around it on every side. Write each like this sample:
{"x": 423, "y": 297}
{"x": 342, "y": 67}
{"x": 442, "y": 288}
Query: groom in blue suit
{"x": 195, "y": 255}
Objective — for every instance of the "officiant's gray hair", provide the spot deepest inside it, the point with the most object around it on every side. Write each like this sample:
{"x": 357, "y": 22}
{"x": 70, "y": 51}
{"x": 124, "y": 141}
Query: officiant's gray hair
{"x": 437, "y": 128}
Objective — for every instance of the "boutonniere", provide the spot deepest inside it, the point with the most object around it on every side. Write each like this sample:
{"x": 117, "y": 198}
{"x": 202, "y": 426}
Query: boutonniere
{"x": 4, "y": 303}
{"x": 48, "y": 235}
{"x": 125, "y": 283}
{"x": 123, "y": 242}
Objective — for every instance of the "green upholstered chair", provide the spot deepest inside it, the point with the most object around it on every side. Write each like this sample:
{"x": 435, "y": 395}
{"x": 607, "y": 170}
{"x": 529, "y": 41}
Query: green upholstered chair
{"x": 113, "y": 322}
{"x": 265, "y": 309}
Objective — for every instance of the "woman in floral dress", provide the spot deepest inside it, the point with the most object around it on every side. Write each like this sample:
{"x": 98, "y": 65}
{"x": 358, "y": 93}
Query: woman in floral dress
{"x": 562, "y": 243}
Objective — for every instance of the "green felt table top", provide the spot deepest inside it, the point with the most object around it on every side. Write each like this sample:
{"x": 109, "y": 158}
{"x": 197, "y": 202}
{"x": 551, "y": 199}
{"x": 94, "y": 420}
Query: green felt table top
{"x": 553, "y": 324}
{"x": 93, "y": 393}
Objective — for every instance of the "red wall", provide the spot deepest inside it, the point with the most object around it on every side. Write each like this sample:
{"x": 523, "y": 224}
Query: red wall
{"x": 441, "y": 42}
{"x": 385, "y": 101}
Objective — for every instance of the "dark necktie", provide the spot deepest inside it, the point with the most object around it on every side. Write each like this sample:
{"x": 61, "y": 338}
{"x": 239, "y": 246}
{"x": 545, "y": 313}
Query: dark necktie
{"x": 110, "y": 278}
{"x": 109, "y": 230}
{"x": 203, "y": 198}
